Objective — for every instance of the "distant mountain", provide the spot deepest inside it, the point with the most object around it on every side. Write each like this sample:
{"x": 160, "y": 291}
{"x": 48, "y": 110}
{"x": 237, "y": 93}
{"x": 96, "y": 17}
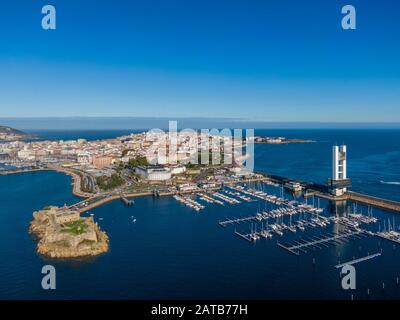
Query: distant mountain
{"x": 11, "y": 134}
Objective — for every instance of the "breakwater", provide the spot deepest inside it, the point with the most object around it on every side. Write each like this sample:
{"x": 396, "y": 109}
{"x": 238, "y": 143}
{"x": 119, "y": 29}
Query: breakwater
{"x": 374, "y": 201}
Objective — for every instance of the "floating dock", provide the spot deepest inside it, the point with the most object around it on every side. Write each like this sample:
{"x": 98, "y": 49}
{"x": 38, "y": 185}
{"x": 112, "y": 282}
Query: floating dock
{"x": 236, "y": 221}
{"x": 315, "y": 242}
{"x": 243, "y": 236}
{"x": 368, "y": 257}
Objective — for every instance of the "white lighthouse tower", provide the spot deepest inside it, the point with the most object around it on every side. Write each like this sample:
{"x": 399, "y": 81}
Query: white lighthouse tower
{"x": 339, "y": 180}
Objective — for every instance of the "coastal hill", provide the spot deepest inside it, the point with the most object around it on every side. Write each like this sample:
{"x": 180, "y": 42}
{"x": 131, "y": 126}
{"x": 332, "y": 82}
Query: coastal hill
{"x": 11, "y": 134}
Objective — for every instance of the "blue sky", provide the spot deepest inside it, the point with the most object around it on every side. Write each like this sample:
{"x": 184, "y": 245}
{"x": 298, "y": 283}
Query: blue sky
{"x": 258, "y": 60}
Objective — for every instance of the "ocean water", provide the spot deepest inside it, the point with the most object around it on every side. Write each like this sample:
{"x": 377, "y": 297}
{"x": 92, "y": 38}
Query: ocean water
{"x": 174, "y": 252}
{"x": 373, "y": 158}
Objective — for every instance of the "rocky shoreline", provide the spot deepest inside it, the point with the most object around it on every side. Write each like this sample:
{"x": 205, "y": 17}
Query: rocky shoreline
{"x": 8, "y": 134}
{"x": 63, "y": 234}
{"x": 280, "y": 140}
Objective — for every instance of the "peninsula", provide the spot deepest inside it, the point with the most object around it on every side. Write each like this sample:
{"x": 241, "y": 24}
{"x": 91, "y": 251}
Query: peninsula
{"x": 280, "y": 140}
{"x": 11, "y": 134}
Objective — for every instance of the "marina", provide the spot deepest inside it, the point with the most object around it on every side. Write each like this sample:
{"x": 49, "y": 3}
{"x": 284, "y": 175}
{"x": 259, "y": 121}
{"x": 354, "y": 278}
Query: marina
{"x": 226, "y": 198}
{"x": 255, "y": 235}
{"x": 294, "y": 215}
{"x": 205, "y": 197}
{"x": 189, "y": 202}
{"x": 239, "y": 195}
{"x": 389, "y": 231}
{"x": 317, "y": 242}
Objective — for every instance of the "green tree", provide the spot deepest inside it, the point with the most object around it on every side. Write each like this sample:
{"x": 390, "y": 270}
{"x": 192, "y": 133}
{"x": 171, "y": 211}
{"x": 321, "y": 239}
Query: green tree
{"x": 109, "y": 183}
{"x": 138, "y": 161}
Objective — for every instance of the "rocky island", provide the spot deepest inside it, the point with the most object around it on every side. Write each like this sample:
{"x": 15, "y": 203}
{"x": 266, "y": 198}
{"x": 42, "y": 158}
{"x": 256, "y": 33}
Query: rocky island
{"x": 63, "y": 233}
{"x": 280, "y": 140}
{"x": 11, "y": 134}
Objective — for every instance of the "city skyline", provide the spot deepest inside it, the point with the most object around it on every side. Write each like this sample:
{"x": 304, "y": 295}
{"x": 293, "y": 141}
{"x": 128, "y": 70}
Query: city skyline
{"x": 202, "y": 60}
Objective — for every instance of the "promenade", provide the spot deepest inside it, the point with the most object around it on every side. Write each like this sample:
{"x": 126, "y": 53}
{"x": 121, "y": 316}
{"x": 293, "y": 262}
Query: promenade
{"x": 18, "y": 171}
{"x": 76, "y": 177}
{"x": 76, "y": 181}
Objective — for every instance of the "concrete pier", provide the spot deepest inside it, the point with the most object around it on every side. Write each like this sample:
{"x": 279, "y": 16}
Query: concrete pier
{"x": 313, "y": 242}
{"x": 374, "y": 201}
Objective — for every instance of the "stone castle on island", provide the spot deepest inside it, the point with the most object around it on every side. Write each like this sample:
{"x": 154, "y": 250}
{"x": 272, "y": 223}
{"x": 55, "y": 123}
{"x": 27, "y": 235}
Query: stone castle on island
{"x": 63, "y": 233}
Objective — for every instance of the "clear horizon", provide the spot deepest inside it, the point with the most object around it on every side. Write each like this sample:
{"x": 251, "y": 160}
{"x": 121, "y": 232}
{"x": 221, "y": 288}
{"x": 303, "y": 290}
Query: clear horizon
{"x": 137, "y": 123}
{"x": 259, "y": 60}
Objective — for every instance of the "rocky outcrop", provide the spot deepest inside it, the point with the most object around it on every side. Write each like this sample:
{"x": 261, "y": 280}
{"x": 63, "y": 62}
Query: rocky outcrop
{"x": 62, "y": 241}
{"x": 11, "y": 134}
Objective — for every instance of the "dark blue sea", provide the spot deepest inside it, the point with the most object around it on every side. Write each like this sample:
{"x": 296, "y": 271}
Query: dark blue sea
{"x": 173, "y": 252}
